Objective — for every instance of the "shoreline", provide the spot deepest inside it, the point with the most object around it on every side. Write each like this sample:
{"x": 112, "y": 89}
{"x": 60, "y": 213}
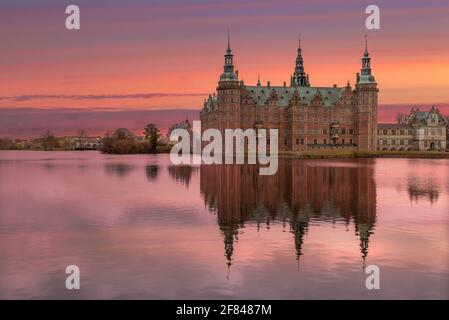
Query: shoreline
{"x": 366, "y": 154}
{"x": 346, "y": 154}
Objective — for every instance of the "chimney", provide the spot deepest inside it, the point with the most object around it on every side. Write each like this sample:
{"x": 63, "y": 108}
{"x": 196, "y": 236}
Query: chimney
{"x": 358, "y": 77}
{"x": 285, "y": 84}
{"x": 335, "y": 85}
{"x": 237, "y": 73}
{"x": 268, "y": 84}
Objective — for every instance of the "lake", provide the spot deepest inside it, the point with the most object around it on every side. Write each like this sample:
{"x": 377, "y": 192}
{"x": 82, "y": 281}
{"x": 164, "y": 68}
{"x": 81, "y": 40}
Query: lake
{"x": 139, "y": 227}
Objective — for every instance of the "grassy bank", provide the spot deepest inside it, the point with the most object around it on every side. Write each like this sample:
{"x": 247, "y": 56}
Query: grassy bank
{"x": 329, "y": 154}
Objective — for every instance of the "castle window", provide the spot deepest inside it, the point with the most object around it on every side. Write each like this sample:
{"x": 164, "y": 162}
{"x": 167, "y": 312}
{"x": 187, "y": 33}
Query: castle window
{"x": 385, "y": 131}
{"x": 384, "y": 142}
{"x": 342, "y": 141}
{"x": 302, "y": 141}
{"x": 393, "y": 132}
{"x": 351, "y": 131}
{"x": 325, "y": 141}
{"x": 315, "y": 141}
{"x": 350, "y": 141}
{"x": 393, "y": 142}
{"x": 401, "y": 142}
{"x": 343, "y": 131}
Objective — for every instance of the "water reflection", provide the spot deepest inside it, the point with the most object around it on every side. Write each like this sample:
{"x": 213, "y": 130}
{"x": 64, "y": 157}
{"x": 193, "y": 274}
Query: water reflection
{"x": 303, "y": 233}
{"x": 49, "y": 166}
{"x": 300, "y": 193}
{"x": 152, "y": 172}
{"x": 182, "y": 173}
{"x": 118, "y": 169}
{"x": 426, "y": 189}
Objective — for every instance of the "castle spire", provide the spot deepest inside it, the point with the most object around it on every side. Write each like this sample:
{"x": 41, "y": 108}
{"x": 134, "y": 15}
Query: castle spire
{"x": 228, "y": 72}
{"x": 299, "y": 76}
{"x": 365, "y": 74}
{"x": 366, "y": 45}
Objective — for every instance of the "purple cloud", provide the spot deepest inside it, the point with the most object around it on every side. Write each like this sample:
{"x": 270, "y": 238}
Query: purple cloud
{"x": 99, "y": 96}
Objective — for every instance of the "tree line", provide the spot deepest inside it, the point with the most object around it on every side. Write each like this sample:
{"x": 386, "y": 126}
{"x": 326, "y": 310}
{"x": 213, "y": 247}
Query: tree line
{"x": 121, "y": 141}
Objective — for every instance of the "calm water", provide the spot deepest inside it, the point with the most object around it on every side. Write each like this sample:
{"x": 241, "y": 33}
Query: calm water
{"x": 139, "y": 227}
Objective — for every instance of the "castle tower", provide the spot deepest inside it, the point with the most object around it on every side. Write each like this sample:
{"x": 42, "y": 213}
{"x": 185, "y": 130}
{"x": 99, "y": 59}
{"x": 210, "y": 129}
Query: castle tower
{"x": 299, "y": 77}
{"x": 228, "y": 93}
{"x": 366, "y": 105}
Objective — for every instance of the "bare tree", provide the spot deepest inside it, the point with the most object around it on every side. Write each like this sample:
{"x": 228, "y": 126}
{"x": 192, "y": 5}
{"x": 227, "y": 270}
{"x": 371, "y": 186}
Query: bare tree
{"x": 49, "y": 141}
{"x": 152, "y": 134}
{"x": 81, "y": 135}
{"x": 401, "y": 118}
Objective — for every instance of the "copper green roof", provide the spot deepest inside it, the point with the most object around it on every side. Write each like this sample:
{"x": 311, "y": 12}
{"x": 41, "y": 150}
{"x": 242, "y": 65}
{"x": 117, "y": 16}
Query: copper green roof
{"x": 261, "y": 94}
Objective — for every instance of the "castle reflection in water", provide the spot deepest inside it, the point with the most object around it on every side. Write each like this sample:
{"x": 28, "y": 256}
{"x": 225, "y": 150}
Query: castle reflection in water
{"x": 300, "y": 193}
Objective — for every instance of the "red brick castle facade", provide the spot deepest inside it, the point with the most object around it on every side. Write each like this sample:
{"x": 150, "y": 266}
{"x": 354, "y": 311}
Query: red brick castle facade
{"x": 308, "y": 118}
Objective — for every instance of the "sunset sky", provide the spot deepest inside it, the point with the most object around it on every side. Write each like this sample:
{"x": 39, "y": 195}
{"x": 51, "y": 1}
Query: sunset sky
{"x": 141, "y": 56}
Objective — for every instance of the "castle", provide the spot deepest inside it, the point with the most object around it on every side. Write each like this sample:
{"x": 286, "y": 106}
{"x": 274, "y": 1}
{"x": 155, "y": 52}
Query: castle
{"x": 418, "y": 131}
{"x": 308, "y": 118}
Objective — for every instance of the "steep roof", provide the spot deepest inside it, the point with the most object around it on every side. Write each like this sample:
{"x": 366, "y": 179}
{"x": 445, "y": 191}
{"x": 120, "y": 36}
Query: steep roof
{"x": 420, "y": 115}
{"x": 210, "y": 104}
{"x": 392, "y": 126}
{"x": 261, "y": 94}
